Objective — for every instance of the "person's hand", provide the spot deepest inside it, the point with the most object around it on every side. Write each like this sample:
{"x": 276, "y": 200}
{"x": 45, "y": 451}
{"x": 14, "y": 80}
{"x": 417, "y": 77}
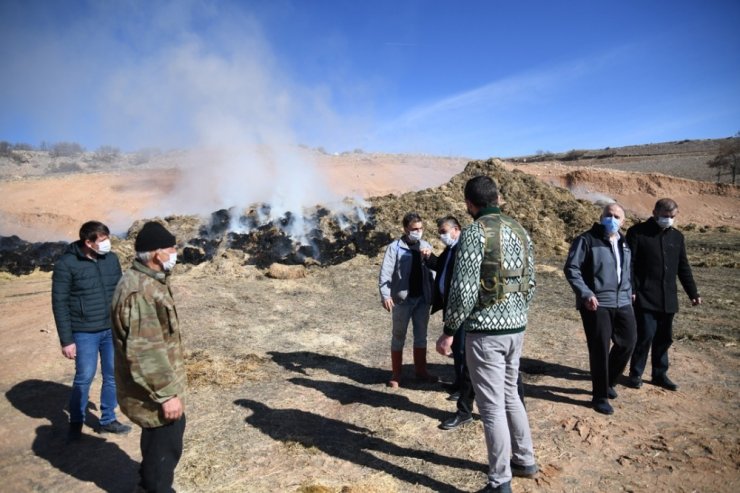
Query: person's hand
{"x": 634, "y": 297}
{"x": 425, "y": 252}
{"x": 444, "y": 345}
{"x": 388, "y": 304}
{"x": 173, "y": 409}
{"x": 592, "y": 304}
{"x": 69, "y": 351}
{"x": 696, "y": 301}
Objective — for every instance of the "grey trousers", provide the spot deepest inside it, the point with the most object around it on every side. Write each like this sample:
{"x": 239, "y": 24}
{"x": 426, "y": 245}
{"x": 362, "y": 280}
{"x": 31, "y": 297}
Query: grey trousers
{"x": 493, "y": 362}
{"x": 416, "y": 311}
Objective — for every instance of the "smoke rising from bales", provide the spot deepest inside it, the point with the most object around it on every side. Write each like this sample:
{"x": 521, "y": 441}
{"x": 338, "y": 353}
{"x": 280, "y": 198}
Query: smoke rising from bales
{"x": 191, "y": 74}
{"x": 232, "y": 104}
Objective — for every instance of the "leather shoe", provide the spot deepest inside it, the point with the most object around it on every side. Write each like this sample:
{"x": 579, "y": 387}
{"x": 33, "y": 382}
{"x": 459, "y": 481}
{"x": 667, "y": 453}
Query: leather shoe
{"x": 502, "y": 488}
{"x": 453, "y": 396}
{"x": 456, "y": 421}
{"x": 633, "y": 382}
{"x": 523, "y": 471}
{"x": 611, "y": 393}
{"x": 602, "y": 406}
{"x": 665, "y": 382}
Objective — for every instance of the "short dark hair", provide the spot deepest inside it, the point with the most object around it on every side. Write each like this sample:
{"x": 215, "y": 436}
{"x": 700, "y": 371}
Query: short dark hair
{"x": 666, "y": 205}
{"x": 481, "y": 191}
{"x": 92, "y": 229}
{"x": 448, "y": 220}
{"x": 411, "y": 217}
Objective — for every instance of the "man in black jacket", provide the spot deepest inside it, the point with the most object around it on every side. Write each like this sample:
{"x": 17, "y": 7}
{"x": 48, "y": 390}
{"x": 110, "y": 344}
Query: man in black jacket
{"x": 448, "y": 228}
{"x": 82, "y": 286}
{"x": 658, "y": 257}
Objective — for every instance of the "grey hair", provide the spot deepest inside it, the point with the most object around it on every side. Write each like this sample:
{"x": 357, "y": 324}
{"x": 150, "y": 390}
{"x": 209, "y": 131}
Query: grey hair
{"x": 144, "y": 257}
{"x": 609, "y": 206}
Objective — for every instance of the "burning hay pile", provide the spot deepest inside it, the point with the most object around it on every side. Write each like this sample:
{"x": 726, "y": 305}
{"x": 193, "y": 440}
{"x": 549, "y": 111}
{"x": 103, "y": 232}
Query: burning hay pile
{"x": 326, "y": 235}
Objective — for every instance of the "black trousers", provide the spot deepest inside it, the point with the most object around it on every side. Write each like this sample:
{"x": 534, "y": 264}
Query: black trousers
{"x": 654, "y": 330}
{"x": 161, "y": 448}
{"x": 605, "y": 325}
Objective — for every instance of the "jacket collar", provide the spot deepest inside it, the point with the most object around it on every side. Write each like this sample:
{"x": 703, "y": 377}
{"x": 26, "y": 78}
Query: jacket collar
{"x": 599, "y": 231}
{"x": 159, "y": 276}
{"x": 488, "y": 210}
{"x": 76, "y": 248}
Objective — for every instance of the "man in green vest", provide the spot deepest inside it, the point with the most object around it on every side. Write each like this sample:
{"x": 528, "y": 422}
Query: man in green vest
{"x": 492, "y": 285}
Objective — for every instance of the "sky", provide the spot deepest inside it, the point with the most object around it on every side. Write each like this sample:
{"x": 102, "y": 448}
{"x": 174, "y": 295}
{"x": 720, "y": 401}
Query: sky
{"x": 474, "y": 79}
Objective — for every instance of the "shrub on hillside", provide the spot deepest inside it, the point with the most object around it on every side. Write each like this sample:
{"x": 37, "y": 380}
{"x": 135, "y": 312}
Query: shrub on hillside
{"x": 573, "y": 155}
{"x": 66, "y": 149}
{"x": 107, "y": 153}
{"x": 66, "y": 167}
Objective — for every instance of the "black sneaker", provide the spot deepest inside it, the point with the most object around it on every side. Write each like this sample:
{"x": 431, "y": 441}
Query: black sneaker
{"x": 74, "y": 434}
{"x": 115, "y": 427}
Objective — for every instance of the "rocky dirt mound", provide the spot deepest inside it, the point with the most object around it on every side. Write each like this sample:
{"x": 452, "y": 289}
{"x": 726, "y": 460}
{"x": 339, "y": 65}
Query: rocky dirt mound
{"x": 551, "y": 214}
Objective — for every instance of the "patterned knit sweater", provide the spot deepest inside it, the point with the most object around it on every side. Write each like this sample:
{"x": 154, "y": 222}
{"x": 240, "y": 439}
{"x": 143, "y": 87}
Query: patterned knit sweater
{"x": 507, "y": 316}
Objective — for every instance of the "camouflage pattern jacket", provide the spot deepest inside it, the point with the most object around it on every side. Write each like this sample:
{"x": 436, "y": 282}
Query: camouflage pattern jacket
{"x": 150, "y": 367}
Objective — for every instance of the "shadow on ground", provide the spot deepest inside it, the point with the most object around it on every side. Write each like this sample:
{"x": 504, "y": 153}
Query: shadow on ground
{"x": 351, "y": 443}
{"x": 301, "y": 361}
{"x": 92, "y": 459}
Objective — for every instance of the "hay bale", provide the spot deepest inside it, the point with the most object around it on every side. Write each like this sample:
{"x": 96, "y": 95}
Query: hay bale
{"x": 281, "y": 271}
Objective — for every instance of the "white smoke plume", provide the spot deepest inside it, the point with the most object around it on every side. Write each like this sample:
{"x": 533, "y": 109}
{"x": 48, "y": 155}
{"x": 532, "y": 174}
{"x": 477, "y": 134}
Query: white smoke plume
{"x": 583, "y": 193}
{"x": 239, "y": 111}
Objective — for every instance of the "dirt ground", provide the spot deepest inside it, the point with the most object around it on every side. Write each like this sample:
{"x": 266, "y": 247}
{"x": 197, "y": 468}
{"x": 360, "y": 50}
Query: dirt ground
{"x": 287, "y": 379}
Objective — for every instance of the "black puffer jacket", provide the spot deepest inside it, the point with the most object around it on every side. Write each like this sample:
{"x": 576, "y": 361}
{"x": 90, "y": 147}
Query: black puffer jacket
{"x": 81, "y": 292}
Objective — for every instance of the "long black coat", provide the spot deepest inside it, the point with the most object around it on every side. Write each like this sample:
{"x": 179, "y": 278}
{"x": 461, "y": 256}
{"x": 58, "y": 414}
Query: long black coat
{"x": 658, "y": 257}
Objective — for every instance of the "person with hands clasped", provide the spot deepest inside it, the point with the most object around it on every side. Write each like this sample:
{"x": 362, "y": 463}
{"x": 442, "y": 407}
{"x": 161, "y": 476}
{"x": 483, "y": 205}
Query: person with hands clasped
{"x": 150, "y": 367}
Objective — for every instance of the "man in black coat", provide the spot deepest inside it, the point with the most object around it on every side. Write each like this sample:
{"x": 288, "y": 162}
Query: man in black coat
{"x": 658, "y": 257}
{"x": 448, "y": 228}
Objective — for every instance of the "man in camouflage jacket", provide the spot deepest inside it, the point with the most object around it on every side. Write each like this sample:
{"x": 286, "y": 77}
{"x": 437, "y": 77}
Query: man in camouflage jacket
{"x": 150, "y": 369}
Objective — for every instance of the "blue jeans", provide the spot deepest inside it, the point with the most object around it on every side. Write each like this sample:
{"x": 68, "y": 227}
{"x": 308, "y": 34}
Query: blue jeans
{"x": 88, "y": 345}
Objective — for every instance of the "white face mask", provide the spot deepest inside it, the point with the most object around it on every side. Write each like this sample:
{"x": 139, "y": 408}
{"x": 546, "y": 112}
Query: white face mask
{"x": 664, "y": 222}
{"x": 103, "y": 247}
{"x": 447, "y": 239}
{"x": 415, "y": 236}
{"x": 170, "y": 263}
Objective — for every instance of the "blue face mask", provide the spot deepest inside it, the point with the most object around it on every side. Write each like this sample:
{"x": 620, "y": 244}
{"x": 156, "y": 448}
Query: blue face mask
{"x": 611, "y": 224}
